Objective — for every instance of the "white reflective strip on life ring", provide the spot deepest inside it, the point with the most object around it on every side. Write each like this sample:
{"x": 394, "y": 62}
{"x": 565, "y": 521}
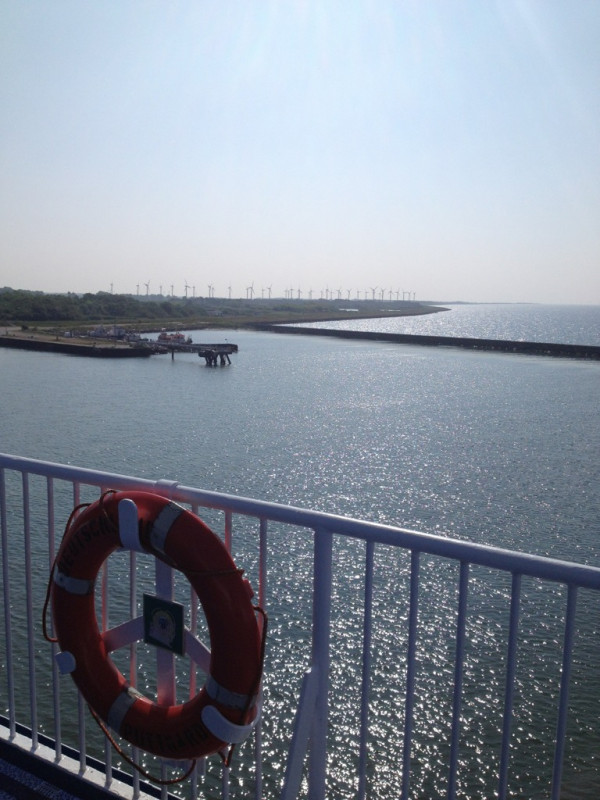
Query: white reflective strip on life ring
{"x": 120, "y": 707}
{"x": 224, "y": 729}
{"x": 227, "y": 698}
{"x": 162, "y": 525}
{"x": 73, "y": 585}
{"x": 129, "y": 532}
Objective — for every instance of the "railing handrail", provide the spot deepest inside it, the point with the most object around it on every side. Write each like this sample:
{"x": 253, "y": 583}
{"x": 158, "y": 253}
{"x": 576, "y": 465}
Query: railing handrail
{"x": 490, "y": 556}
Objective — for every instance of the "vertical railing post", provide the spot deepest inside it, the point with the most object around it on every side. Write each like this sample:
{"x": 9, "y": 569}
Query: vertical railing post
{"x": 165, "y": 661}
{"x": 135, "y": 752}
{"x": 411, "y": 659}
{"x": 54, "y": 646}
{"x": 366, "y": 672}
{"x": 563, "y": 702}
{"x": 7, "y": 608}
{"x": 323, "y": 557}
{"x": 228, "y": 530}
{"x": 262, "y": 564}
{"x": 509, "y": 692}
{"x": 29, "y": 607}
{"x": 458, "y": 676}
{"x": 262, "y": 602}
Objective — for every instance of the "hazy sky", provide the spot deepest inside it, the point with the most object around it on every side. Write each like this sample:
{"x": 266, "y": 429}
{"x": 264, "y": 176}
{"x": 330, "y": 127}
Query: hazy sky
{"x": 443, "y": 147}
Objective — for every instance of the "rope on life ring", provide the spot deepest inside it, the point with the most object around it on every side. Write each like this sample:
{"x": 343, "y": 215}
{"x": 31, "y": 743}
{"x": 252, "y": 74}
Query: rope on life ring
{"x": 226, "y": 708}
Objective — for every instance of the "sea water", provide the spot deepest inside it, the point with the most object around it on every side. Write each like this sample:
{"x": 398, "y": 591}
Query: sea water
{"x": 523, "y": 322}
{"x": 492, "y": 448}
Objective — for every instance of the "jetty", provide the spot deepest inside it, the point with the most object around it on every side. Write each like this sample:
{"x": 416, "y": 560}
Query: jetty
{"x": 211, "y": 353}
{"x": 591, "y": 352}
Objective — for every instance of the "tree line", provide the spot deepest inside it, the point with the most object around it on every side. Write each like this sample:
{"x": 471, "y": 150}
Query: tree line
{"x": 17, "y": 305}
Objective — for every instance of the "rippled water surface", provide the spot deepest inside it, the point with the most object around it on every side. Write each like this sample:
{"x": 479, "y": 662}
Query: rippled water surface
{"x": 487, "y": 447}
{"x": 521, "y": 323}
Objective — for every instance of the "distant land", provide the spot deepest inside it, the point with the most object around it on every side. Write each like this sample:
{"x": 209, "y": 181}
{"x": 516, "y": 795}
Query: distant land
{"x": 110, "y": 326}
{"x": 29, "y": 310}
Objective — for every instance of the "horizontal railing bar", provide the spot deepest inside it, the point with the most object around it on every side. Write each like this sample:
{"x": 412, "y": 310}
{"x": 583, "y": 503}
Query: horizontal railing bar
{"x": 483, "y": 555}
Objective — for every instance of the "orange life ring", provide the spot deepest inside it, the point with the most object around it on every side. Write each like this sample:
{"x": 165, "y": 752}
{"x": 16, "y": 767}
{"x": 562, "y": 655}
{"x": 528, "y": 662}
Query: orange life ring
{"x": 181, "y": 539}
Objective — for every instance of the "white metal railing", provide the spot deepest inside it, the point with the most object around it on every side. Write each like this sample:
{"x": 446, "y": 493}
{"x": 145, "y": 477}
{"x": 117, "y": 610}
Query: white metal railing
{"x": 36, "y": 497}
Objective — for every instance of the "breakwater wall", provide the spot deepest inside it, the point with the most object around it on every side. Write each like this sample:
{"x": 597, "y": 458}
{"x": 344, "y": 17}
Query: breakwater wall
{"x": 492, "y": 345}
{"x": 72, "y": 349}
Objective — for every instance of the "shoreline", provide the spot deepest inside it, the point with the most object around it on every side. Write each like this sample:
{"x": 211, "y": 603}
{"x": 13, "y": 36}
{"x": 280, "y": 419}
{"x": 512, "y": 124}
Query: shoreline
{"x": 279, "y": 318}
{"x": 48, "y": 340}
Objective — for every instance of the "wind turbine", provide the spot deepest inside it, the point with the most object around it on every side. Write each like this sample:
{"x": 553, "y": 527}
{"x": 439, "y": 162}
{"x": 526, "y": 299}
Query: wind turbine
{"x": 147, "y": 285}
{"x": 229, "y": 290}
{"x": 137, "y": 286}
{"x": 269, "y": 290}
{"x": 373, "y": 290}
{"x": 186, "y": 289}
{"x": 310, "y": 294}
{"x": 250, "y": 291}
{"x": 210, "y": 290}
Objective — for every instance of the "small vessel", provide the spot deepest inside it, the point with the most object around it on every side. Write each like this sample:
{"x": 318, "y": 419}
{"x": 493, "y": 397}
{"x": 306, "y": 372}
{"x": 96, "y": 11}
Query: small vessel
{"x": 173, "y": 338}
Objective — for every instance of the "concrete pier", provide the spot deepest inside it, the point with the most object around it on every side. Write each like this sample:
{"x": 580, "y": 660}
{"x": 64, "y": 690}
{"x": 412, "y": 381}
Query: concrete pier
{"x": 212, "y": 353}
{"x": 92, "y": 349}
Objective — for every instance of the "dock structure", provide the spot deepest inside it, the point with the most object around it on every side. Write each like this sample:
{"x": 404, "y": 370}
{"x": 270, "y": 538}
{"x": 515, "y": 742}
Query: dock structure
{"x": 213, "y": 354}
{"x": 81, "y": 347}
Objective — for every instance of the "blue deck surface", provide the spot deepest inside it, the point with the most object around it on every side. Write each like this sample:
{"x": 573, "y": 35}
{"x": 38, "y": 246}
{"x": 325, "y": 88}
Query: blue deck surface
{"x": 17, "y": 784}
{"x": 24, "y": 776}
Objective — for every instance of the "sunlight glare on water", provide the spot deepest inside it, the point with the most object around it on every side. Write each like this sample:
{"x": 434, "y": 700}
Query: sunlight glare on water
{"x": 486, "y": 447}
